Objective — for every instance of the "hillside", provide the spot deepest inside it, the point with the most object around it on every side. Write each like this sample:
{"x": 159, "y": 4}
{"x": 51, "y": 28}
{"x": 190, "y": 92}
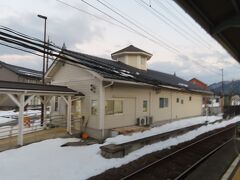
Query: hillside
{"x": 230, "y": 87}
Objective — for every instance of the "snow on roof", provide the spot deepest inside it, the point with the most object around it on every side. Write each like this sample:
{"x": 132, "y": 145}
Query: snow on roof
{"x": 111, "y": 69}
{"x": 22, "y": 70}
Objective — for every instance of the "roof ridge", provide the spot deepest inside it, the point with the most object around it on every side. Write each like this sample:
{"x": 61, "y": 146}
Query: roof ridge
{"x": 19, "y": 66}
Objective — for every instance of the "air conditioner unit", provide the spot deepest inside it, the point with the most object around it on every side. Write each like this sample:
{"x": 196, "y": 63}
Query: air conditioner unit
{"x": 141, "y": 121}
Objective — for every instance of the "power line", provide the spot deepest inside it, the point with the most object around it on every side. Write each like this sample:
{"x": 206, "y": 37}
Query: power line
{"x": 136, "y": 25}
{"x": 169, "y": 22}
{"x": 86, "y": 60}
{"x": 90, "y": 14}
{"x": 187, "y": 27}
{"x": 199, "y": 64}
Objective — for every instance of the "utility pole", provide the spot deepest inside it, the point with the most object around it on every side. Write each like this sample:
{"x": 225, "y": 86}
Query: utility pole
{"x": 47, "y": 55}
{"x": 223, "y": 103}
{"x": 44, "y": 46}
{"x": 43, "y": 70}
{"x": 222, "y": 83}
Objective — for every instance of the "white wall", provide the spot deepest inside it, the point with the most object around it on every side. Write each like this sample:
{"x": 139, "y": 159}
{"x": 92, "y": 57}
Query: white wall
{"x": 80, "y": 80}
{"x": 133, "y": 97}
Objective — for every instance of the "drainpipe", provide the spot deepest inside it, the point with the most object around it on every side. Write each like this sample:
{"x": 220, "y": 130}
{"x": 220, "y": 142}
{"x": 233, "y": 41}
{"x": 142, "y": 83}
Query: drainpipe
{"x": 171, "y": 106}
{"x": 102, "y": 105}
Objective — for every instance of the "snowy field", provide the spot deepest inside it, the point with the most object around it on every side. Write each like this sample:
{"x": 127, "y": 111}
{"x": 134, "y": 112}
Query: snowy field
{"x": 46, "y": 160}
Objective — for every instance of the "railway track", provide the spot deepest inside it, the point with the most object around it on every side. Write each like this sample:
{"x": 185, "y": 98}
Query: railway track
{"x": 178, "y": 164}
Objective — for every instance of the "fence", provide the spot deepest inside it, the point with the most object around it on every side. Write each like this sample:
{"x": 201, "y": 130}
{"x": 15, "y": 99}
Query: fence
{"x": 230, "y": 111}
{"x": 32, "y": 124}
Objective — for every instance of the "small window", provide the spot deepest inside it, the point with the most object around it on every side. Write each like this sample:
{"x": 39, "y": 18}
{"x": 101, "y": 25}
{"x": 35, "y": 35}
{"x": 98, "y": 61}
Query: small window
{"x": 113, "y": 107}
{"x": 94, "y": 107}
{"x": 109, "y": 107}
{"x": 190, "y": 98}
{"x": 143, "y": 61}
{"x": 163, "y": 102}
{"x": 182, "y": 101}
{"x": 118, "y": 107}
{"x": 145, "y": 106}
{"x": 177, "y": 100}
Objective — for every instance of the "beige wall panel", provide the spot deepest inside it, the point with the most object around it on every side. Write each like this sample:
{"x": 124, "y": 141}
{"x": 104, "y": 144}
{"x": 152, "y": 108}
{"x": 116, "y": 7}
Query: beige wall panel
{"x": 173, "y": 111}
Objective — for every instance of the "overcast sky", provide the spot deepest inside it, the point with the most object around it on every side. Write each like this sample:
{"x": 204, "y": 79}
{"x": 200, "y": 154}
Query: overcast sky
{"x": 198, "y": 55}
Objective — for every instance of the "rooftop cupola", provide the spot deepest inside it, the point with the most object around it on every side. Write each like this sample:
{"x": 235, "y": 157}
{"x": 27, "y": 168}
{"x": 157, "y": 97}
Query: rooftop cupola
{"x": 132, "y": 56}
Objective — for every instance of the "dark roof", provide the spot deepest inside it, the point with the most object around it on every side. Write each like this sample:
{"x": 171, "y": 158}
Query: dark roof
{"x": 35, "y": 87}
{"x": 131, "y": 48}
{"x": 117, "y": 70}
{"x": 23, "y": 71}
{"x": 220, "y": 18}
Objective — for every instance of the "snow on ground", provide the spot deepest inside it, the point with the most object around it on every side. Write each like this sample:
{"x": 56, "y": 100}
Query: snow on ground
{"x": 9, "y": 131}
{"x": 9, "y": 116}
{"x": 5, "y": 120}
{"x": 12, "y": 113}
{"x": 47, "y": 160}
{"x": 164, "y": 128}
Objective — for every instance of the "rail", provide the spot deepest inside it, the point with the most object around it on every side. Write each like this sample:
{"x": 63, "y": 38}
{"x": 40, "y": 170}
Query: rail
{"x": 141, "y": 170}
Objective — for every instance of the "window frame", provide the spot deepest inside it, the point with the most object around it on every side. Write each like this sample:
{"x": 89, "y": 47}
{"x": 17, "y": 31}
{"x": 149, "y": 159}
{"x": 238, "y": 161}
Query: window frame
{"x": 114, "y": 112}
{"x": 94, "y": 113}
{"x": 182, "y": 101}
{"x": 190, "y": 98}
{"x": 163, "y": 102}
{"x": 145, "y": 103}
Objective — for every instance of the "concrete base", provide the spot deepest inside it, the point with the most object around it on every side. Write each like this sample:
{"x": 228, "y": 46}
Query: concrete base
{"x": 120, "y": 150}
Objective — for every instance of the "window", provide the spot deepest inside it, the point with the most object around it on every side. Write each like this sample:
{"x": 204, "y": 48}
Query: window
{"x": 118, "y": 106}
{"x": 145, "y": 106}
{"x": 113, "y": 107}
{"x": 182, "y": 101}
{"x": 143, "y": 61}
{"x": 177, "y": 100}
{"x": 94, "y": 107}
{"x": 190, "y": 98}
{"x": 163, "y": 102}
{"x": 109, "y": 107}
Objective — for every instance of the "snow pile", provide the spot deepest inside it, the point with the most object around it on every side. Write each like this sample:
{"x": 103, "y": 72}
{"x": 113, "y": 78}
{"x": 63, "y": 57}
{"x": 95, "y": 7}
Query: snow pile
{"x": 5, "y": 120}
{"x": 47, "y": 160}
{"x": 162, "y": 129}
{"x": 12, "y": 113}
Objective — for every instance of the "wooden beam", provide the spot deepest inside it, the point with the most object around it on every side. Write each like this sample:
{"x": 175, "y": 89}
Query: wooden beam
{"x": 20, "y": 120}
{"x": 66, "y": 101}
{"x": 29, "y": 100}
{"x": 14, "y": 99}
{"x": 69, "y": 114}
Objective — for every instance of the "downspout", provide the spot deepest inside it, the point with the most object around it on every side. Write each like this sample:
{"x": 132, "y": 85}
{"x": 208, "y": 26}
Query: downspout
{"x": 171, "y": 106}
{"x": 150, "y": 102}
{"x": 102, "y": 105}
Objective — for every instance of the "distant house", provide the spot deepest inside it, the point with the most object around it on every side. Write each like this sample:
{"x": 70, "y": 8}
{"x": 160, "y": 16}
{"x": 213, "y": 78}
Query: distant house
{"x": 199, "y": 83}
{"x": 235, "y": 100}
{"x": 122, "y": 91}
{"x": 9, "y": 72}
{"x": 14, "y": 73}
